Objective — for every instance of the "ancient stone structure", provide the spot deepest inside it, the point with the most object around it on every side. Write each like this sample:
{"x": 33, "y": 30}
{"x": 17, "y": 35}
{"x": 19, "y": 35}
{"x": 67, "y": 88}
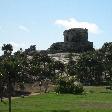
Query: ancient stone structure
{"x": 75, "y": 40}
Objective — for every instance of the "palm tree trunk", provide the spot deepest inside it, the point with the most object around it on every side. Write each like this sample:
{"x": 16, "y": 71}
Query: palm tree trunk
{"x": 10, "y": 104}
{"x": 9, "y": 96}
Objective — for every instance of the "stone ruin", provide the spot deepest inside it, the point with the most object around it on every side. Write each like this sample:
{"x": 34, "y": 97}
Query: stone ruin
{"x": 75, "y": 40}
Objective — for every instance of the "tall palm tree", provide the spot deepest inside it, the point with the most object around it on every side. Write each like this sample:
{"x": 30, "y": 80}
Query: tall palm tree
{"x": 7, "y": 48}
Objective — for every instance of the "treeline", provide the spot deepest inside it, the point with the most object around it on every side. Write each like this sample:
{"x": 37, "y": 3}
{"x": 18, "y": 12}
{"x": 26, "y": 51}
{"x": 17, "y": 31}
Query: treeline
{"x": 95, "y": 68}
{"x": 26, "y": 67}
{"x": 91, "y": 68}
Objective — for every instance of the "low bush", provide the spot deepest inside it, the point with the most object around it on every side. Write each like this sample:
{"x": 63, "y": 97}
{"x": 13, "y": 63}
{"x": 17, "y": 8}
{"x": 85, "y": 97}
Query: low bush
{"x": 78, "y": 88}
{"x": 67, "y": 84}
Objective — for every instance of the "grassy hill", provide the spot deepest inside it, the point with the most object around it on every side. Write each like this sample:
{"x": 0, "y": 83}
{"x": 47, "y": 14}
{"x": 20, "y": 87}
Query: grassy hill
{"x": 96, "y": 99}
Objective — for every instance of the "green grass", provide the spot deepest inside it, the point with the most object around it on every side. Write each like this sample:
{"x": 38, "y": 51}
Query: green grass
{"x": 96, "y": 100}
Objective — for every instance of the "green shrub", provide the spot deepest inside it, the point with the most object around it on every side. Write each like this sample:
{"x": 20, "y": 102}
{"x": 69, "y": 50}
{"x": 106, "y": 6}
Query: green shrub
{"x": 78, "y": 88}
{"x": 67, "y": 84}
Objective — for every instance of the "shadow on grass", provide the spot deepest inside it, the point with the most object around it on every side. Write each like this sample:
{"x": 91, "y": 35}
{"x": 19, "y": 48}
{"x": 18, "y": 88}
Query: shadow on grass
{"x": 19, "y": 93}
{"x": 107, "y": 92}
{"x": 60, "y": 110}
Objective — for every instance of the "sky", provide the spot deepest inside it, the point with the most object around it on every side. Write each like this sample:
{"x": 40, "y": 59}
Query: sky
{"x": 42, "y": 22}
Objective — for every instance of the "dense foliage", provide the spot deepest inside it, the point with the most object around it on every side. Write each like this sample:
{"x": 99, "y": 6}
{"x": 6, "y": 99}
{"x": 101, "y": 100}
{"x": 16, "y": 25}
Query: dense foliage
{"x": 68, "y": 84}
{"x": 91, "y": 68}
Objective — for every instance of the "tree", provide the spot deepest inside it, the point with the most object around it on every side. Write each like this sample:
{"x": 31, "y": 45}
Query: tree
{"x": 13, "y": 69}
{"x": 31, "y": 50}
{"x": 58, "y": 67}
{"x": 106, "y": 51}
{"x": 90, "y": 68}
{"x": 68, "y": 84}
{"x": 7, "y": 48}
{"x": 1, "y": 87}
{"x": 71, "y": 66}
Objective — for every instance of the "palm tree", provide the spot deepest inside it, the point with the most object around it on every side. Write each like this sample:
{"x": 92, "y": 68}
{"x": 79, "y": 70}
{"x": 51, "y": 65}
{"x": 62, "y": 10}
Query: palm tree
{"x": 7, "y": 48}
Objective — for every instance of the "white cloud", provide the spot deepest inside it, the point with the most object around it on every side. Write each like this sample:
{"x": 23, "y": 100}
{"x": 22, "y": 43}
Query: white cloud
{"x": 73, "y": 23}
{"x": 23, "y": 28}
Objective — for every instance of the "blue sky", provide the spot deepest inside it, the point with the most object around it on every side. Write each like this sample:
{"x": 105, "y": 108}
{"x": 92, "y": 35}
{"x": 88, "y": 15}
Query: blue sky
{"x": 42, "y": 22}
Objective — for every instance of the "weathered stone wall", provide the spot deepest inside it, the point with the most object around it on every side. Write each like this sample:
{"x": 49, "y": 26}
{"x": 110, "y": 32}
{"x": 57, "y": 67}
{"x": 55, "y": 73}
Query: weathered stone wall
{"x": 75, "y": 40}
{"x": 75, "y": 35}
